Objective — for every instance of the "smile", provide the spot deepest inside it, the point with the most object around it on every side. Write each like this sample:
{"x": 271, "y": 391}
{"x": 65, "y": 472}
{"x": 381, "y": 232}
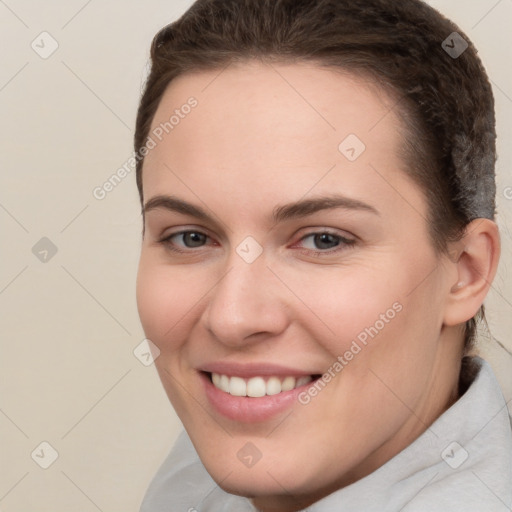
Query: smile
{"x": 255, "y": 392}
{"x": 257, "y": 387}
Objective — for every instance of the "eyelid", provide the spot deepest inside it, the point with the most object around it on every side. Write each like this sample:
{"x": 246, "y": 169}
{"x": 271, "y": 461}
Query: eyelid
{"x": 164, "y": 240}
{"x": 185, "y": 229}
{"x": 345, "y": 242}
{"x": 317, "y": 230}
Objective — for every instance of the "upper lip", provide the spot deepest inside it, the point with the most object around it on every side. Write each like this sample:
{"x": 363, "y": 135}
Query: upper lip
{"x": 249, "y": 370}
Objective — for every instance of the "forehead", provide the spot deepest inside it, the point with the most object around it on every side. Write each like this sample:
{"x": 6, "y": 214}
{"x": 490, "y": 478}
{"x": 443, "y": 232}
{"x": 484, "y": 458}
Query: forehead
{"x": 272, "y": 130}
{"x": 259, "y": 99}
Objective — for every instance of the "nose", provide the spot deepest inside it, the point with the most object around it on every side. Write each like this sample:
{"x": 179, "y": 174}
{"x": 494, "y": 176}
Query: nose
{"x": 247, "y": 305}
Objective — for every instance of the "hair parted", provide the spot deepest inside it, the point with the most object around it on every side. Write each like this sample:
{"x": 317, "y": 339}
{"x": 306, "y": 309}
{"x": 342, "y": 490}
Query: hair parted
{"x": 446, "y": 104}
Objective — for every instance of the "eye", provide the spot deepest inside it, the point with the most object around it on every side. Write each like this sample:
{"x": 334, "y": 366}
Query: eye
{"x": 193, "y": 238}
{"x": 187, "y": 239}
{"x": 325, "y": 242}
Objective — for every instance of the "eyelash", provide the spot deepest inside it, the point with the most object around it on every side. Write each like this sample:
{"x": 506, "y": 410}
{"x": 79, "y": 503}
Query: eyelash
{"x": 343, "y": 242}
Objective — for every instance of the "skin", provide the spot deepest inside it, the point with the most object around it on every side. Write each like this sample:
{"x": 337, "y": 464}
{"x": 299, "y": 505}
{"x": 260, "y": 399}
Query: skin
{"x": 266, "y": 135}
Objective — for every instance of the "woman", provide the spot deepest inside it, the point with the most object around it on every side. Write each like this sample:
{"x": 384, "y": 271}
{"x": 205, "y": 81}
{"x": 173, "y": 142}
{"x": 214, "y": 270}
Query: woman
{"x": 318, "y": 192}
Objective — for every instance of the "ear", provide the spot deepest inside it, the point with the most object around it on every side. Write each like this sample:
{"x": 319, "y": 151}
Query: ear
{"x": 476, "y": 261}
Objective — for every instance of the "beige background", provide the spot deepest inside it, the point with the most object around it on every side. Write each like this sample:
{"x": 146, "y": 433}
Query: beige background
{"x": 69, "y": 325}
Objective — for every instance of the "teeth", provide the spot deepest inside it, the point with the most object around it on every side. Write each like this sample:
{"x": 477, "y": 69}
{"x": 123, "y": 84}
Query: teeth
{"x": 288, "y": 383}
{"x": 237, "y": 386}
{"x": 273, "y": 386}
{"x": 303, "y": 380}
{"x": 224, "y": 383}
{"x": 257, "y": 386}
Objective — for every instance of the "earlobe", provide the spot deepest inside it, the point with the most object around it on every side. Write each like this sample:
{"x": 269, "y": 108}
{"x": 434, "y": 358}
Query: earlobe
{"x": 476, "y": 266}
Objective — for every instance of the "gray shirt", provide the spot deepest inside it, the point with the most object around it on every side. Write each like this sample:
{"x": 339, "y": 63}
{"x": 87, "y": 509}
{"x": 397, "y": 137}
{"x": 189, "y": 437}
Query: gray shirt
{"x": 462, "y": 462}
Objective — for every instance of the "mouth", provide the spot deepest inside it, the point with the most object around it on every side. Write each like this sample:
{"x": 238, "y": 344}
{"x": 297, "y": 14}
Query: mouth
{"x": 259, "y": 386}
{"x": 253, "y": 398}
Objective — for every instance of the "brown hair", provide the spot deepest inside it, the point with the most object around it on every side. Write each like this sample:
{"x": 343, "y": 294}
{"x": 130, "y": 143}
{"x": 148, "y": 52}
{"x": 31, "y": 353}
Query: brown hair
{"x": 409, "y": 48}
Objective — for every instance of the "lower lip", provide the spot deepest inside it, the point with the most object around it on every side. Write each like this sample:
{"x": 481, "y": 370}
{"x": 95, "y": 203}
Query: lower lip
{"x": 248, "y": 409}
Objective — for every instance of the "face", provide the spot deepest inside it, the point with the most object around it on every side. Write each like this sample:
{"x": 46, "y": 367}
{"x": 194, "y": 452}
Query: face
{"x": 286, "y": 257}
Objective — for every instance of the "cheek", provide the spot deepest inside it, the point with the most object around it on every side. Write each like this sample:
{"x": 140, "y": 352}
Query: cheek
{"x": 398, "y": 336}
{"x": 346, "y": 302}
{"x": 165, "y": 301}
{"x": 370, "y": 314}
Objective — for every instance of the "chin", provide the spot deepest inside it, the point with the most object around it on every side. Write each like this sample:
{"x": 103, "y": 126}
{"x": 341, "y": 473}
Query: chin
{"x": 263, "y": 487}
{"x": 263, "y": 479}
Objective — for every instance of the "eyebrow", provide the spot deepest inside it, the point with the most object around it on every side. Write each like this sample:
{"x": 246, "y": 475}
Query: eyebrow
{"x": 175, "y": 205}
{"x": 306, "y": 207}
{"x": 298, "y": 209}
